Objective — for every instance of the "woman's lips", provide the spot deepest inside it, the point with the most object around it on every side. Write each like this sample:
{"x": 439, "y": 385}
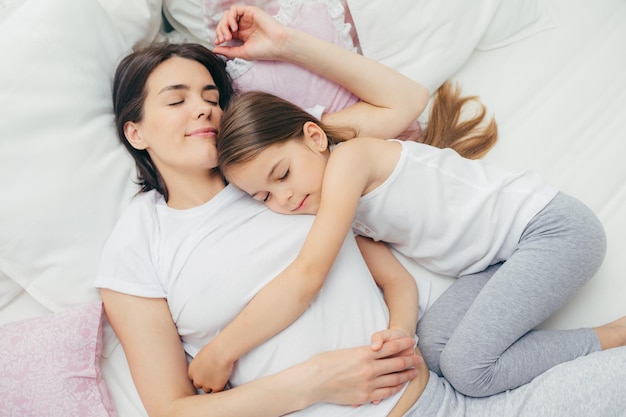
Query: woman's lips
{"x": 205, "y": 131}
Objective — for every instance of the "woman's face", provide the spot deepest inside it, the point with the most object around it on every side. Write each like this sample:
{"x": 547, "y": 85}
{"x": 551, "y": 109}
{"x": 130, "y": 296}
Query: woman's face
{"x": 287, "y": 177}
{"x": 181, "y": 116}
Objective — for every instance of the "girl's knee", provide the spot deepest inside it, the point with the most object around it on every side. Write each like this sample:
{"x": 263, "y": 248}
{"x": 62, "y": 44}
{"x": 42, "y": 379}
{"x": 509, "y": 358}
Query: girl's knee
{"x": 467, "y": 374}
{"x": 431, "y": 344}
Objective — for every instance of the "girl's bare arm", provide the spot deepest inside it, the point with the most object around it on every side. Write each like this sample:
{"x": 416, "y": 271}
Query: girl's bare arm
{"x": 399, "y": 288}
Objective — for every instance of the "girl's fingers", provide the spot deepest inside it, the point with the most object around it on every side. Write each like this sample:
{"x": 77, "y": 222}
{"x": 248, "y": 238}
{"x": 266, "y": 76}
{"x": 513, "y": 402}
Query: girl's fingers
{"x": 395, "y": 346}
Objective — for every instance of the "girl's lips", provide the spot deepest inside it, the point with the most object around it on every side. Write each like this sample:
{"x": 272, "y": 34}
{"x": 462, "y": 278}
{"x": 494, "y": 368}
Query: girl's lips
{"x": 302, "y": 203}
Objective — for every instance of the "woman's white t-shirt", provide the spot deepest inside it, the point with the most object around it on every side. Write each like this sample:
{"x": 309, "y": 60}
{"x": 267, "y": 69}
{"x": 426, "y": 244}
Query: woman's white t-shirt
{"x": 209, "y": 261}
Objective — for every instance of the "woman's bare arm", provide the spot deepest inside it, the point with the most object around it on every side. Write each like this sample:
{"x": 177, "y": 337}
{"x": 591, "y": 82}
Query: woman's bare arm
{"x": 159, "y": 370}
{"x": 390, "y": 101}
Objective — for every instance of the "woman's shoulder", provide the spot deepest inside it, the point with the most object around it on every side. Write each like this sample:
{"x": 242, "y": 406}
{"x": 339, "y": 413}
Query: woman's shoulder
{"x": 140, "y": 212}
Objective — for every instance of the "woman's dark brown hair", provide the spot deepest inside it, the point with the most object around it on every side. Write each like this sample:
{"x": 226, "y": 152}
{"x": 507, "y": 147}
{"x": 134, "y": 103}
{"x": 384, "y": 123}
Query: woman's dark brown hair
{"x": 129, "y": 94}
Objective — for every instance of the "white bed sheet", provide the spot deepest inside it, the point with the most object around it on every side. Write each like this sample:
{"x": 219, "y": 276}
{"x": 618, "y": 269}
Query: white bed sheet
{"x": 560, "y": 101}
{"x": 559, "y": 98}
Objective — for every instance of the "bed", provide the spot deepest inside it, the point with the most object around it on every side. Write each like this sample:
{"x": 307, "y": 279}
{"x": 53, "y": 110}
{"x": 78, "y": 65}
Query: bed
{"x": 552, "y": 72}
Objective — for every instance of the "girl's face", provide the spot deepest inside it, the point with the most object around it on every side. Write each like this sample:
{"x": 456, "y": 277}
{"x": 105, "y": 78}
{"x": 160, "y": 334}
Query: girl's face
{"x": 181, "y": 116}
{"x": 287, "y": 176}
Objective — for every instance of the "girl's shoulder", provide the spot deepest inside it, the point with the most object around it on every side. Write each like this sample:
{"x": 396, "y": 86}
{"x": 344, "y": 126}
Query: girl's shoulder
{"x": 363, "y": 145}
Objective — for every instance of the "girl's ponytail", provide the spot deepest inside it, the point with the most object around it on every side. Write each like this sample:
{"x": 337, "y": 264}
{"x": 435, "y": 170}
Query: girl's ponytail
{"x": 471, "y": 138}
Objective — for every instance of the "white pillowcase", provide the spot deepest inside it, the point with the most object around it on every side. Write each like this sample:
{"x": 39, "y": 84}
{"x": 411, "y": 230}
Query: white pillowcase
{"x": 515, "y": 20}
{"x": 138, "y": 21}
{"x": 429, "y": 40}
{"x": 64, "y": 177}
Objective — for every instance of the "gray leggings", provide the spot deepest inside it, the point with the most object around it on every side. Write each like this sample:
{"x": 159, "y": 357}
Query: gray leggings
{"x": 479, "y": 334}
{"x": 590, "y": 386}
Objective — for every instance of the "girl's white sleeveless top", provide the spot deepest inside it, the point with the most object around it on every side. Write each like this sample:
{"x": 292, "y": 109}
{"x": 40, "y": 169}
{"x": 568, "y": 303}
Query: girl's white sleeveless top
{"x": 453, "y": 215}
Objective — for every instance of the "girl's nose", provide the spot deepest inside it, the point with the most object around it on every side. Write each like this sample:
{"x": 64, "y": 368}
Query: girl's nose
{"x": 284, "y": 197}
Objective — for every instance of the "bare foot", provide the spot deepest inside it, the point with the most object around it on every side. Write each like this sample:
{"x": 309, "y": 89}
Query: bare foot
{"x": 612, "y": 334}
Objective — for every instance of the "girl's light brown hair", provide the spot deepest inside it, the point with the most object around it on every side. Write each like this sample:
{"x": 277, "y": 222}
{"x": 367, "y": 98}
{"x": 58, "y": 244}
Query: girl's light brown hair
{"x": 253, "y": 121}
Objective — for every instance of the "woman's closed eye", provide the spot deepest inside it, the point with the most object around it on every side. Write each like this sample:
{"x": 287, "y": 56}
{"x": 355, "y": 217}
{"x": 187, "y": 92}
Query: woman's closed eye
{"x": 212, "y": 97}
{"x": 284, "y": 176}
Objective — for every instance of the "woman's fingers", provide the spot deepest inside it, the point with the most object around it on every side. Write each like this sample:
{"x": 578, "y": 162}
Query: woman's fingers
{"x": 228, "y": 24}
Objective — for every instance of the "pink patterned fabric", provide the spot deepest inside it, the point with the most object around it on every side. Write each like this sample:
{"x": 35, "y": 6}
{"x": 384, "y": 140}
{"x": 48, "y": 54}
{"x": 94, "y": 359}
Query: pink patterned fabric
{"x": 213, "y": 11}
{"x": 50, "y": 366}
{"x": 324, "y": 19}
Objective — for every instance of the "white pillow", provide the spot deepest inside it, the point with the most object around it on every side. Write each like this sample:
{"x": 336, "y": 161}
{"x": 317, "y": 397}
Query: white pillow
{"x": 515, "y": 20}
{"x": 63, "y": 175}
{"x": 428, "y": 40}
{"x": 138, "y": 21}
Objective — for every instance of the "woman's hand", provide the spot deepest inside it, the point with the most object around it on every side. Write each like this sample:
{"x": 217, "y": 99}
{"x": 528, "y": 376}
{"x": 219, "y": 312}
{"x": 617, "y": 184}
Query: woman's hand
{"x": 261, "y": 34}
{"x": 362, "y": 375}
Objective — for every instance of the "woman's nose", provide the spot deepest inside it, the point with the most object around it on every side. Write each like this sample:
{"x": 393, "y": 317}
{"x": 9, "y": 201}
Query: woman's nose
{"x": 204, "y": 109}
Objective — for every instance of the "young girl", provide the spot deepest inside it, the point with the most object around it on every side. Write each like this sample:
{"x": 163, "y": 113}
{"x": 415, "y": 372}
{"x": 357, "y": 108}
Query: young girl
{"x": 453, "y": 215}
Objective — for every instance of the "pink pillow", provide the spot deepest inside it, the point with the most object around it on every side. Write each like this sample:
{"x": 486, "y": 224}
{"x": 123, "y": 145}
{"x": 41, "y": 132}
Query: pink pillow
{"x": 50, "y": 365}
{"x": 324, "y": 19}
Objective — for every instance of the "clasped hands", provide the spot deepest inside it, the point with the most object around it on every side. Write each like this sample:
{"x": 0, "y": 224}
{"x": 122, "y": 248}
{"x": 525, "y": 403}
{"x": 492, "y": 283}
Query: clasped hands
{"x": 376, "y": 371}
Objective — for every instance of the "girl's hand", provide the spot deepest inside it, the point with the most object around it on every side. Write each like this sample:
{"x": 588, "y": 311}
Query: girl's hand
{"x": 263, "y": 36}
{"x": 209, "y": 370}
{"x": 380, "y": 337}
{"x": 361, "y": 375}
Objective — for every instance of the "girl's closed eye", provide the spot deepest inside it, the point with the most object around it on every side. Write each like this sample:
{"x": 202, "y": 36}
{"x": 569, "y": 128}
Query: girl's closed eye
{"x": 263, "y": 198}
{"x": 284, "y": 176}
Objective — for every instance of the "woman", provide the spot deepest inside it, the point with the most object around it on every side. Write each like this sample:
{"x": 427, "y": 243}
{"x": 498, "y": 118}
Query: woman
{"x": 190, "y": 252}
{"x": 167, "y": 106}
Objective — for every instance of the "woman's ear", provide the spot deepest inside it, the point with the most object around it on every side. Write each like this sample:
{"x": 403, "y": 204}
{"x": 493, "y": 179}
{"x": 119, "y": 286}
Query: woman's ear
{"x": 133, "y": 136}
{"x": 316, "y": 136}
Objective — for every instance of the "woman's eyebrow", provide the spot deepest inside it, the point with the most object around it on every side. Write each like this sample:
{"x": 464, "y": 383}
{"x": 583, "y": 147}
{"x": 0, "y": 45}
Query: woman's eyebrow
{"x": 175, "y": 87}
